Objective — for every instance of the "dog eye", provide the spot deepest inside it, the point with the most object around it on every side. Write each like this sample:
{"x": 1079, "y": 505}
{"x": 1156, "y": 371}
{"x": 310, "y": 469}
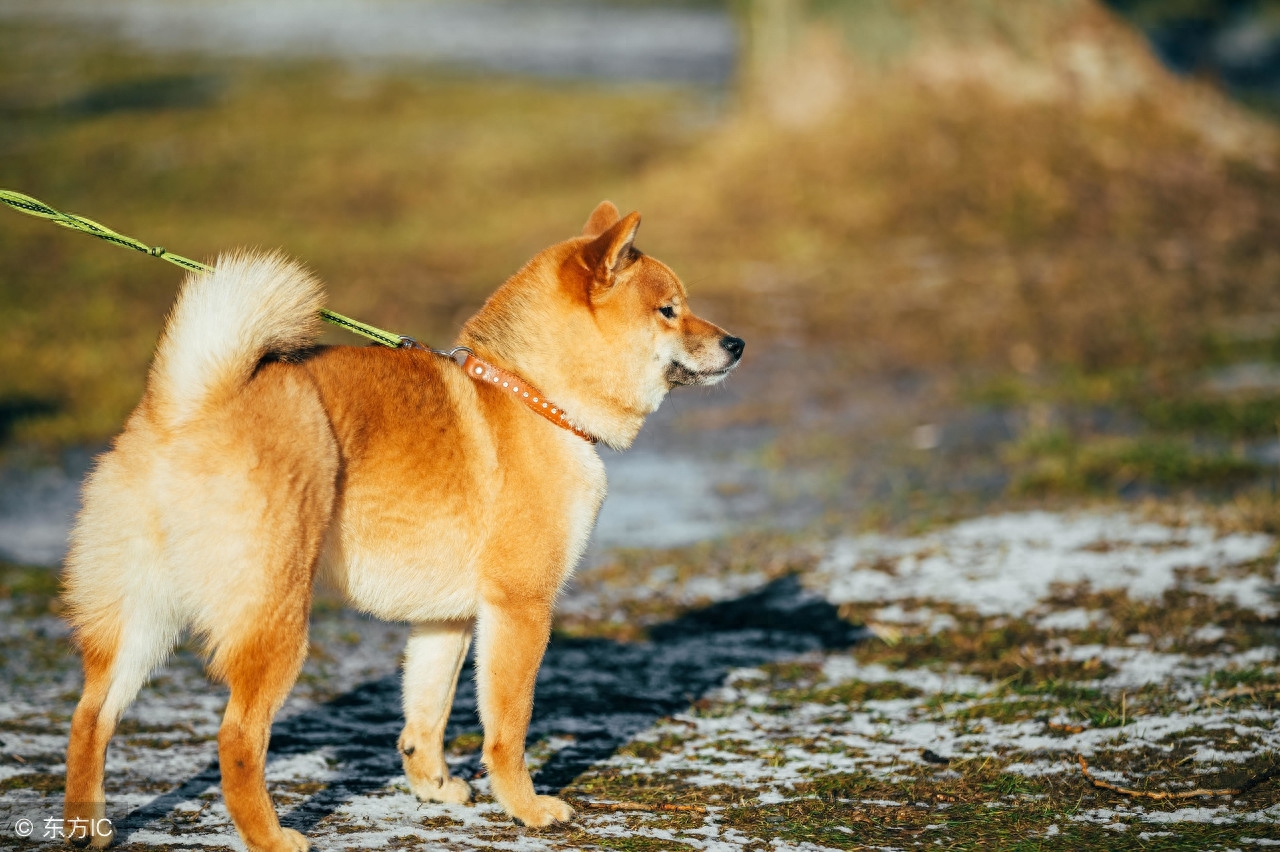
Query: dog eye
{"x": 667, "y": 311}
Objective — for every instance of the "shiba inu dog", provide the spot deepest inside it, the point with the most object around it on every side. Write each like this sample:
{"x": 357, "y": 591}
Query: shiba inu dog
{"x": 456, "y": 498}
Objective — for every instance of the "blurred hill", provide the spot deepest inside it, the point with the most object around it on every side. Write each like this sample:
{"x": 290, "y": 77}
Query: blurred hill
{"x": 976, "y": 185}
{"x": 987, "y": 182}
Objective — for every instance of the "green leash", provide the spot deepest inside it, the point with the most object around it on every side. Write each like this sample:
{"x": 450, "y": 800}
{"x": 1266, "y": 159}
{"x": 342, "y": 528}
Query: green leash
{"x": 33, "y": 207}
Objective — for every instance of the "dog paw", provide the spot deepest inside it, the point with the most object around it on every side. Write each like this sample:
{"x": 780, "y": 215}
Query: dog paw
{"x": 287, "y": 841}
{"x": 453, "y": 791}
{"x": 545, "y": 811}
{"x": 103, "y": 840}
{"x": 87, "y": 825}
{"x": 293, "y": 841}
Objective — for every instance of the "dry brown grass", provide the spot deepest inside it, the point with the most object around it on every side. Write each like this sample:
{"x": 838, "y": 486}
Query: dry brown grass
{"x": 412, "y": 194}
{"x": 936, "y": 187}
{"x": 929, "y": 229}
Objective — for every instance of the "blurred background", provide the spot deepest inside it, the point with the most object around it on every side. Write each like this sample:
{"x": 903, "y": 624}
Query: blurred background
{"x": 982, "y": 251}
{"x": 987, "y": 255}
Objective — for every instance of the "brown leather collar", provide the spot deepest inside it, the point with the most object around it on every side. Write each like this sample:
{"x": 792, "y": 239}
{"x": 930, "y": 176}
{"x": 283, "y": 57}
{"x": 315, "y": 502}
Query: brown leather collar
{"x": 482, "y": 371}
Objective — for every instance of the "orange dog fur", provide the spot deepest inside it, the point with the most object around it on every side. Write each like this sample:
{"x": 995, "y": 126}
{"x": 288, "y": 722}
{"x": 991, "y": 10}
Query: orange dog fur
{"x": 257, "y": 463}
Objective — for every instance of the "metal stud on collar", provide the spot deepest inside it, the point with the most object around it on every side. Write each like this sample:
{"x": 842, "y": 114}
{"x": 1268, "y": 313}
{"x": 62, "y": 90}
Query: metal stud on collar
{"x": 482, "y": 371}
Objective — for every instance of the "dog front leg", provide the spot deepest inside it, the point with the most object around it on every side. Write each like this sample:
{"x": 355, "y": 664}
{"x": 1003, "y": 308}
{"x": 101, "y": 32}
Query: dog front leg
{"x": 432, "y": 659}
{"x": 511, "y": 640}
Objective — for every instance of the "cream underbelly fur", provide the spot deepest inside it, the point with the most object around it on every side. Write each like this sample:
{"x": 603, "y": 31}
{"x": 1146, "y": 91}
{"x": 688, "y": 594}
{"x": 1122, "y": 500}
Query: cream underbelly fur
{"x": 436, "y": 579}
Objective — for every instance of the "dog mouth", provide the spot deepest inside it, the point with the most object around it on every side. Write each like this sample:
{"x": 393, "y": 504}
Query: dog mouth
{"x": 682, "y": 374}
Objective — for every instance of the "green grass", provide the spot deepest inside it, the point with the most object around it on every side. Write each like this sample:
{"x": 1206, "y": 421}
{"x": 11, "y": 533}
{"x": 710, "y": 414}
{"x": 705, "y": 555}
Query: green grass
{"x": 40, "y": 782}
{"x": 1170, "y": 433}
{"x": 769, "y": 553}
{"x": 799, "y": 683}
{"x": 28, "y": 580}
{"x": 412, "y": 193}
{"x": 1227, "y": 417}
{"x": 32, "y": 589}
{"x": 975, "y": 803}
{"x": 1250, "y": 676}
{"x": 1044, "y": 699}
{"x": 978, "y": 807}
{"x": 1000, "y": 650}
{"x": 1056, "y": 462}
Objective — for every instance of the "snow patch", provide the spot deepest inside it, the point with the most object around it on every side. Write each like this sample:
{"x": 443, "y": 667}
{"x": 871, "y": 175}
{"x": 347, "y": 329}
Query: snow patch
{"x": 1006, "y": 564}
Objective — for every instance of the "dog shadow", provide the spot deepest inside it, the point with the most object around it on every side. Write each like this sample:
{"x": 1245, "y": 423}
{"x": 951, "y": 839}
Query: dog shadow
{"x": 594, "y": 693}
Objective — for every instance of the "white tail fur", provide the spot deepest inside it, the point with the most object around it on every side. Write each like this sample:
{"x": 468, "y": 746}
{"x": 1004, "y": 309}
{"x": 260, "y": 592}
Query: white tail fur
{"x": 226, "y": 321}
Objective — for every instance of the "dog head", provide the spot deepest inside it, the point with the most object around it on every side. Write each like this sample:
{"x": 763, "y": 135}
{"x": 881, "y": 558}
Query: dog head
{"x": 603, "y": 329}
{"x": 642, "y": 311}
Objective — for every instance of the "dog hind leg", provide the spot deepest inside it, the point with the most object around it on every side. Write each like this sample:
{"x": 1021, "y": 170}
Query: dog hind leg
{"x": 120, "y": 652}
{"x": 432, "y": 659}
{"x": 260, "y": 666}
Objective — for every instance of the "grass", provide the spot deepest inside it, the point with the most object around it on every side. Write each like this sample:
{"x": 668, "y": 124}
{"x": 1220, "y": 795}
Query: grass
{"x": 1168, "y": 403}
{"x": 33, "y": 581}
{"x": 976, "y": 805}
{"x": 1059, "y": 462}
{"x": 993, "y": 646}
{"x": 30, "y": 589}
{"x": 667, "y": 573}
{"x": 1124, "y": 431}
{"x": 979, "y": 803}
{"x": 1008, "y": 651}
{"x": 37, "y": 781}
{"x": 412, "y": 193}
{"x": 796, "y": 683}
{"x": 1091, "y": 240}
{"x": 1250, "y": 676}
{"x": 970, "y": 803}
{"x": 1231, "y": 418}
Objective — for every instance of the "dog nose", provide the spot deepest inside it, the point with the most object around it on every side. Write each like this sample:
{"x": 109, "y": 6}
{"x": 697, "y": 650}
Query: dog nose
{"x": 733, "y": 345}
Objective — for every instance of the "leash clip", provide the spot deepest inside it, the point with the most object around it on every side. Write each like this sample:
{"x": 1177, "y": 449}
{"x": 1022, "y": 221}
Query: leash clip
{"x": 451, "y": 354}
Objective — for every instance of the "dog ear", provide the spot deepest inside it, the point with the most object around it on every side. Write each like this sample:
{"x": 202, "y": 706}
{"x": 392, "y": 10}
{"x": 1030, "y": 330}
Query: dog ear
{"x": 610, "y": 253}
{"x": 601, "y": 219}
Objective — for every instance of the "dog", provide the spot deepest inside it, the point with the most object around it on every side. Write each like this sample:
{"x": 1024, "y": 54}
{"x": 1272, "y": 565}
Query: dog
{"x": 455, "y": 497}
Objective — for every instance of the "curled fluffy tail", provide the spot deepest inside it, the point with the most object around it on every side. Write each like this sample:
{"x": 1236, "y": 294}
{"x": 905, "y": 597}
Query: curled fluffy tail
{"x": 226, "y": 321}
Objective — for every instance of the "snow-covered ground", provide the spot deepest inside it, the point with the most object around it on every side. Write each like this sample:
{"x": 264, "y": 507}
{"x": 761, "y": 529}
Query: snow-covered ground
{"x": 1008, "y": 564}
{"x": 752, "y": 691}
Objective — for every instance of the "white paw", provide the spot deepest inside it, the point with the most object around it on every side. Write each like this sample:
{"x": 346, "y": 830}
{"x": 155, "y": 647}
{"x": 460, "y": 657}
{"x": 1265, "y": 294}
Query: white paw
{"x": 545, "y": 811}
{"x": 86, "y": 825}
{"x": 294, "y": 841}
{"x": 102, "y": 841}
{"x": 453, "y": 791}
{"x": 287, "y": 840}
